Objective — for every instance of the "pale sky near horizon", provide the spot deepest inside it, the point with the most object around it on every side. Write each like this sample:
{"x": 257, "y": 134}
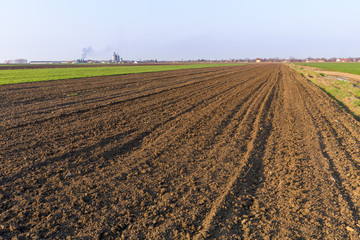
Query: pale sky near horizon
{"x": 178, "y": 29}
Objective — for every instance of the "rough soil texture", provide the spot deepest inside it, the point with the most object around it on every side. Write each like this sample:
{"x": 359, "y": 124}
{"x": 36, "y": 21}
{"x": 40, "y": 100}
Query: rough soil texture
{"x": 240, "y": 152}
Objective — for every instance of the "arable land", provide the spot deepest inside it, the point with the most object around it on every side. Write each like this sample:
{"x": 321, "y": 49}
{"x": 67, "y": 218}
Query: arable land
{"x": 75, "y": 65}
{"x": 42, "y": 73}
{"x": 353, "y": 68}
{"x": 238, "y": 152}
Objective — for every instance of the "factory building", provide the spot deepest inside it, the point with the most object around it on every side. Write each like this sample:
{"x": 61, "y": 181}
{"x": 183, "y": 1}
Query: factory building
{"x": 45, "y": 62}
{"x": 16, "y": 61}
{"x": 116, "y": 58}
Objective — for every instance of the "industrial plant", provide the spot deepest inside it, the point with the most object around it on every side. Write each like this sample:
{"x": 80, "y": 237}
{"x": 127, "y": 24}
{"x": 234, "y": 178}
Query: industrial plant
{"x": 116, "y": 58}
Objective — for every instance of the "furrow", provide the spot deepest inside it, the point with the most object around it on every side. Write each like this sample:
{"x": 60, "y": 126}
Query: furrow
{"x": 248, "y": 161}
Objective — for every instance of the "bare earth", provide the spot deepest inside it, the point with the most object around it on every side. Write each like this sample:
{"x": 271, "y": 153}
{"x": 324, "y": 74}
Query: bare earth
{"x": 240, "y": 152}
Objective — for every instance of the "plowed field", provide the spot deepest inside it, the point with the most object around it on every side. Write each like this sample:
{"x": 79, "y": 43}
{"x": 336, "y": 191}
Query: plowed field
{"x": 239, "y": 152}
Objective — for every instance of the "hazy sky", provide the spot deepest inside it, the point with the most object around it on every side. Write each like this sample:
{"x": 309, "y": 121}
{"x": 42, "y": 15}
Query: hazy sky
{"x": 178, "y": 29}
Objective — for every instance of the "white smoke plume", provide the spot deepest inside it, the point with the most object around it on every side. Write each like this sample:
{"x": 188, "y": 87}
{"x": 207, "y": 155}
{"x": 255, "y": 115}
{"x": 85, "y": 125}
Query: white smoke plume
{"x": 86, "y": 52}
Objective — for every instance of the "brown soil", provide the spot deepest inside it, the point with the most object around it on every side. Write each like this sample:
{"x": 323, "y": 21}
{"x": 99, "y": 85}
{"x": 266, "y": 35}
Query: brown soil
{"x": 240, "y": 152}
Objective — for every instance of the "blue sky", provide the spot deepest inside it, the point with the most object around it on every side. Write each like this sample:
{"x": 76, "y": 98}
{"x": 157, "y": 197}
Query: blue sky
{"x": 178, "y": 29}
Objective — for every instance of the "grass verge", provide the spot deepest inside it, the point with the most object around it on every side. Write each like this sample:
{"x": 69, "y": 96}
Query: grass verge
{"x": 346, "y": 93}
{"x": 36, "y": 75}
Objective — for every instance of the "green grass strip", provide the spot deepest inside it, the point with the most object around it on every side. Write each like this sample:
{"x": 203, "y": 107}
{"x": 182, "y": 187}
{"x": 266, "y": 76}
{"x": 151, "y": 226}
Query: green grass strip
{"x": 353, "y": 68}
{"x": 47, "y": 74}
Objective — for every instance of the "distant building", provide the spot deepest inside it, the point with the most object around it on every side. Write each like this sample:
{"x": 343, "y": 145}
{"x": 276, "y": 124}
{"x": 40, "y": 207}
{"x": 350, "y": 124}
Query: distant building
{"x": 45, "y": 62}
{"x": 20, "y": 61}
{"x": 116, "y": 58}
{"x": 16, "y": 61}
{"x": 258, "y": 60}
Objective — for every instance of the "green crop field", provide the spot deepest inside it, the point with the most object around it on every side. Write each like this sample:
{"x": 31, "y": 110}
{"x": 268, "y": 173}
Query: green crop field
{"x": 340, "y": 67}
{"x": 46, "y": 74}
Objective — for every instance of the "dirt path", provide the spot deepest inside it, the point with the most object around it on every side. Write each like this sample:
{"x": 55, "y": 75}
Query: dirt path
{"x": 242, "y": 152}
{"x": 351, "y": 77}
